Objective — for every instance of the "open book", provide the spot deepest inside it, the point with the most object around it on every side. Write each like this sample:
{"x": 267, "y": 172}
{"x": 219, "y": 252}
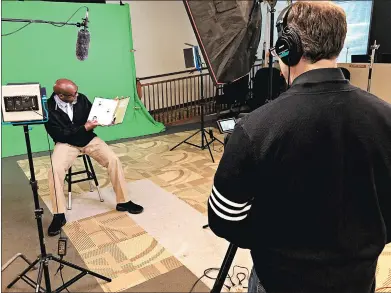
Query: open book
{"x": 108, "y": 111}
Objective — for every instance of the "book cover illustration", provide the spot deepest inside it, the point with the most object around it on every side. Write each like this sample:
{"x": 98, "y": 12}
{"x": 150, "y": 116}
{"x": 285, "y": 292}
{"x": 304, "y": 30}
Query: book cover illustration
{"x": 108, "y": 111}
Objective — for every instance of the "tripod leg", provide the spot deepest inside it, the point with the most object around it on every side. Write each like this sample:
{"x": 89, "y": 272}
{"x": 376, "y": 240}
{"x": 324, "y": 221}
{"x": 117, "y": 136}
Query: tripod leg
{"x": 31, "y": 283}
{"x": 207, "y": 144}
{"x": 23, "y": 273}
{"x": 47, "y": 275}
{"x": 223, "y": 272}
{"x": 70, "y": 282}
{"x": 39, "y": 279}
{"x": 184, "y": 141}
{"x": 215, "y": 138}
{"x": 65, "y": 263}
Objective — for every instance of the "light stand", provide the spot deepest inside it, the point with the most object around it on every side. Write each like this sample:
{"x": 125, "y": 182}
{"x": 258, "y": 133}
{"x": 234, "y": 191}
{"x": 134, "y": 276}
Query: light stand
{"x": 230, "y": 254}
{"x": 43, "y": 259}
{"x": 272, "y": 10}
{"x": 204, "y": 141}
{"x": 374, "y": 47}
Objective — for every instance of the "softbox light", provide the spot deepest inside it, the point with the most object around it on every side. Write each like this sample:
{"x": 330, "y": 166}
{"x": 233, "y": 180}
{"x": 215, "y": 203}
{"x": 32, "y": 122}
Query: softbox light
{"x": 228, "y": 34}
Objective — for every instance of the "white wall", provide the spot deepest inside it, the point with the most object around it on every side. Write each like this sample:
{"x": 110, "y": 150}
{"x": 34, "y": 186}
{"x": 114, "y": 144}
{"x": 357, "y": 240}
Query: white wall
{"x": 160, "y": 29}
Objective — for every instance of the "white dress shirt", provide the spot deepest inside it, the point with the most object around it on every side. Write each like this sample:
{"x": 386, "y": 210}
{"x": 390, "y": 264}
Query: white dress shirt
{"x": 65, "y": 107}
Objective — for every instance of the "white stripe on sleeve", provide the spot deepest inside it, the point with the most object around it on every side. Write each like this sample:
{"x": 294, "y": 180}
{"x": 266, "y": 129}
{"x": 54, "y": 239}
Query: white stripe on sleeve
{"x": 229, "y": 211}
{"x": 225, "y": 217}
{"x": 227, "y": 201}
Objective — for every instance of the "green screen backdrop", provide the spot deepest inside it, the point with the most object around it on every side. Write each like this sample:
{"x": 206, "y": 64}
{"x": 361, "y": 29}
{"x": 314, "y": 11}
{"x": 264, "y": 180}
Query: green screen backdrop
{"x": 44, "y": 53}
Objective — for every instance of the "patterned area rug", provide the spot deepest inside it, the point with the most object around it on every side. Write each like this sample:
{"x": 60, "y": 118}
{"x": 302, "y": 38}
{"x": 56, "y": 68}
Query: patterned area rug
{"x": 186, "y": 172}
{"x": 383, "y": 271}
{"x": 112, "y": 243}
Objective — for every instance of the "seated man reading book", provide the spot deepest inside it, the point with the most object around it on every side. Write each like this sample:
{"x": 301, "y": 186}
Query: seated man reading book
{"x": 73, "y": 134}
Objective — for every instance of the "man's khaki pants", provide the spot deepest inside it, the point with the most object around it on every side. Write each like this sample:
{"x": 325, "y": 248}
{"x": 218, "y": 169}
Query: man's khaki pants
{"x": 64, "y": 156}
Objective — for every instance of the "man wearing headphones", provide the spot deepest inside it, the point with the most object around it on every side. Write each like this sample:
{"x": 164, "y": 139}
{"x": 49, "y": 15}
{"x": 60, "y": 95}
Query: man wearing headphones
{"x": 305, "y": 181}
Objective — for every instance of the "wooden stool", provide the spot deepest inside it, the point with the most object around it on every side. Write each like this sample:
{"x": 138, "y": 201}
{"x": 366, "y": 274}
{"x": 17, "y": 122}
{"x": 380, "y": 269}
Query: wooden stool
{"x": 89, "y": 171}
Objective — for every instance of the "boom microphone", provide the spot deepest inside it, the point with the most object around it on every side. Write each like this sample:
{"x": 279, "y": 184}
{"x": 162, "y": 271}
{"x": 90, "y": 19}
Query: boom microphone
{"x": 82, "y": 44}
{"x": 83, "y": 40}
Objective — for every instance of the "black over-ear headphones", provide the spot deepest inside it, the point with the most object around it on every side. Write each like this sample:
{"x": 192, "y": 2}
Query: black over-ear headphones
{"x": 288, "y": 46}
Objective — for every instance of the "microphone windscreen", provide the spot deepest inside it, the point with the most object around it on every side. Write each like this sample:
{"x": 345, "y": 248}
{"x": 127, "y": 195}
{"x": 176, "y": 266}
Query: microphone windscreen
{"x": 82, "y": 44}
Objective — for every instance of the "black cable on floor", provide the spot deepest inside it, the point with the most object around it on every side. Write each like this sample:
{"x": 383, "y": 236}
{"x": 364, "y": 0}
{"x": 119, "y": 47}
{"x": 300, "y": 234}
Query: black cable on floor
{"x": 59, "y": 270}
{"x": 205, "y": 275}
{"x": 62, "y": 279}
{"x": 229, "y": 277}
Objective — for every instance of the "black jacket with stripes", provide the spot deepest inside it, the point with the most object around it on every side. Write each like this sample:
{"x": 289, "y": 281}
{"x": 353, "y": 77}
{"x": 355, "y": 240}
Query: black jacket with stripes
{"x": 305, "y": 184}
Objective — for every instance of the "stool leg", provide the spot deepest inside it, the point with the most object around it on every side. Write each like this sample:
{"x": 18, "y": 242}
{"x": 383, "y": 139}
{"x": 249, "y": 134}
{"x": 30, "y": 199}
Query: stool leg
{"x": 70, "y": 188}
{"x": 91, "y": 186}
{"x": 88, "y": 173}
{"x": 95, "y": 179}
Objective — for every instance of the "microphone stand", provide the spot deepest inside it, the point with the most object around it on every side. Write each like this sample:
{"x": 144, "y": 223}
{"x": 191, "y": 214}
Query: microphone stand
{"x": 374, "y": 47}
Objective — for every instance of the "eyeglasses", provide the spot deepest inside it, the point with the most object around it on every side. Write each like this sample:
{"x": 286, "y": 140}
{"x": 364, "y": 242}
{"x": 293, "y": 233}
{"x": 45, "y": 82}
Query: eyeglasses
{"x": 71, "y": 95}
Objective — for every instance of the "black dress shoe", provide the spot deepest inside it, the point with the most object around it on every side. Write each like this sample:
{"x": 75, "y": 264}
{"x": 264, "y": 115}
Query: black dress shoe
{"x": 56, "y": 225}
{"x": 130, "y": 207}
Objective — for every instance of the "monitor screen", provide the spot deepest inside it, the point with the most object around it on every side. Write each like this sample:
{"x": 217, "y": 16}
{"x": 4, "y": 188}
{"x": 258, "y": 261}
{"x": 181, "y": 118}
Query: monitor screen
{"x": 226, "y": 125}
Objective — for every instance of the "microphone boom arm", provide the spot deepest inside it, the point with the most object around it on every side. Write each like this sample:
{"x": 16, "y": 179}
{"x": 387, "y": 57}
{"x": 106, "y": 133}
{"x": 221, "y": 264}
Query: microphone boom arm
{"x": 78, "y": 24}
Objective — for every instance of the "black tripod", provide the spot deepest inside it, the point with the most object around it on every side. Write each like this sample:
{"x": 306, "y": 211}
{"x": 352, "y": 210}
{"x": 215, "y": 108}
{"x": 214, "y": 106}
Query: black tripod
{"x": 272, "y": 11}
{"x": 224, "y": 269}
{"x": 43, "y": 259}
{"x": 204, "y": 141}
